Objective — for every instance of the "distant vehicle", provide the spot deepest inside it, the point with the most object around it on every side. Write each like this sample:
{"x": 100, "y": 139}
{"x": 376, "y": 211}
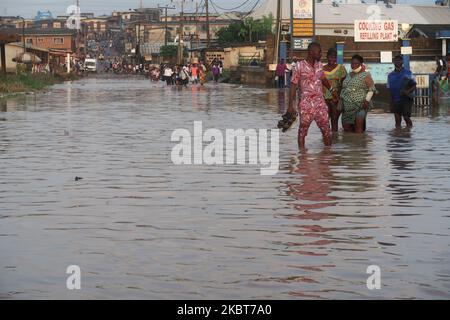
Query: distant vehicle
{"x": 90, "y": 65}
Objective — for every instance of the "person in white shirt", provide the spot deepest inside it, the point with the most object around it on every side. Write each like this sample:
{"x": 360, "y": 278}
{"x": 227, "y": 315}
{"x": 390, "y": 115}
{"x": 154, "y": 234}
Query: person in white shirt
{"x": 168, "y": 73}
{"x": 185, "y": 75}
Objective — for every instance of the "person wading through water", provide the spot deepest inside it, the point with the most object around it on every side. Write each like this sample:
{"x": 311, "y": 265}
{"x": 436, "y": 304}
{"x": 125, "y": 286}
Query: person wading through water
{"x": 402, "y": 87}
{"x": 335, "y": 74}
{"x": 309, "y": 78}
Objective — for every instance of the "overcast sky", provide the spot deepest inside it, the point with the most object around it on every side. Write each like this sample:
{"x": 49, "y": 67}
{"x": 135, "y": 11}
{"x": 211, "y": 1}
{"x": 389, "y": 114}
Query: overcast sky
{"x": 29, "y": 8}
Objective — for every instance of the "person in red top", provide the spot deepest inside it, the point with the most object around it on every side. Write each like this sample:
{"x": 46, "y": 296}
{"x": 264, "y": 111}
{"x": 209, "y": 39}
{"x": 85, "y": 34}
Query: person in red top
{"x": 194, "y": 73}
{"x": 309, "y": 78}
{"x": 280, "y": 72}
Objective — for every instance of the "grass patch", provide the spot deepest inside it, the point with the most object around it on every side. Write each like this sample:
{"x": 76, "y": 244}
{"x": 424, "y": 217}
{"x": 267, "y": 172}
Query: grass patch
{"x": 25, "y": 82}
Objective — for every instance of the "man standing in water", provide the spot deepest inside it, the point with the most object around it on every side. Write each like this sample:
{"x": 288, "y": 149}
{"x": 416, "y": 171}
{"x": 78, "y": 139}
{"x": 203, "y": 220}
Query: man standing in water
{"x": 402, "y": 87}
{"x": 309, "y": 78}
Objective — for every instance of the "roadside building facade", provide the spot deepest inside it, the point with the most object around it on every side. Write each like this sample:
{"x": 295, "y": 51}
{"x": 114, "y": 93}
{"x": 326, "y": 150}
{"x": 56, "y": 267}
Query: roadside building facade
{"x": 53, "y": 39}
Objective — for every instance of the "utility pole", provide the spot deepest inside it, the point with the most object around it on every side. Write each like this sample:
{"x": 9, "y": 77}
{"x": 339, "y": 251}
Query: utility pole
{"x": 208, "y": 36}
{"x": 78, "y": 25}
{"x": 138, "y": 49}
{"x": 196, "y": 23}
{"x": 166, "y": 34}
{"x": 277, "y": 39}
{"x": 181, "y": 34}
{"x": 23, "y": 34}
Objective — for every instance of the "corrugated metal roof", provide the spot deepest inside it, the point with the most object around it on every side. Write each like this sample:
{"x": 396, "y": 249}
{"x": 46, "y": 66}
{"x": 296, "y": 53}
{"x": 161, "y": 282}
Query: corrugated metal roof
{"x": 347, "y": 13}
{"x": 62, "y": 31}
{"x": 28, "y": 46}
{"x": 434, "y": 15}
{"x": 151, "y": 48}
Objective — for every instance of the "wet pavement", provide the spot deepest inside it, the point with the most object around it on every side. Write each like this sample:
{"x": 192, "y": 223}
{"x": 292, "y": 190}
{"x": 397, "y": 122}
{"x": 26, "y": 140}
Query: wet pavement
{"x": 140, "y": 227}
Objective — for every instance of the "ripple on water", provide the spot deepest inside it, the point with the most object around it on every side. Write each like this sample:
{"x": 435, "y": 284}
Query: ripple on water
{"x": 142, "y": 227}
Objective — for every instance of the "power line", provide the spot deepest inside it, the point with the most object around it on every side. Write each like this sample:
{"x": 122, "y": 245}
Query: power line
{"x": 216, "y": 7}
{"x": 253, "y": 8}
{"x": 231, "y": 9}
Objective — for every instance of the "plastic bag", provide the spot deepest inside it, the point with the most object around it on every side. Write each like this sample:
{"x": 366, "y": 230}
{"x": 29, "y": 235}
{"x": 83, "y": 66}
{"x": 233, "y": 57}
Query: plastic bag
{"x": 444, "y": 85}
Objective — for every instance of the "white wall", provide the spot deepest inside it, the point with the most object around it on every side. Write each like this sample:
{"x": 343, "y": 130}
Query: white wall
{"x": 11, "y": 52}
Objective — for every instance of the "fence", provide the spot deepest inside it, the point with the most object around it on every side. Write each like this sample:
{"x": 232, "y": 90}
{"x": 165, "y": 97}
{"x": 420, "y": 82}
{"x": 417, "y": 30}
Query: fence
{"x": 424, "y": 91}
{"x": 246, "y": 58}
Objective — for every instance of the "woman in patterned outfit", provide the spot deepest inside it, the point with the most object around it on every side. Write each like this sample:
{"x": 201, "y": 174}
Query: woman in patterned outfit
{"x": 310, "y": 79}
{"x": 335, "y": 74}
{"x": 358, "y": 89}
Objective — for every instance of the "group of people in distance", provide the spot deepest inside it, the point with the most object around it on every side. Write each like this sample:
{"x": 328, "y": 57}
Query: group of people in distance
{"x": 328, "y": 92}
{"x": 194, "y": 73}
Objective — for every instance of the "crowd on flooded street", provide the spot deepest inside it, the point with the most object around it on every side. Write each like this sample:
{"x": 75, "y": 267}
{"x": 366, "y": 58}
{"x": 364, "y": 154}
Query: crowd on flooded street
{"x": 172, "y": 74}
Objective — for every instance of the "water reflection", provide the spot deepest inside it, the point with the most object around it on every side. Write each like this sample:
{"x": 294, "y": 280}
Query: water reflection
{"x": 310, "y": 185}
{"x": 141, "y": 227}
{"x": 10, "y": 104}
{"x": 400, "y": 145}
{"x": 355, "y": 163}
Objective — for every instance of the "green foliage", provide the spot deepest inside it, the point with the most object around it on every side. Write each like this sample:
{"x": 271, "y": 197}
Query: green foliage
{"x": 247, "y": 30}
{"x": 24, "y": 82}
{"x": 21, "y": 68}
{"x": 171, "y": 51}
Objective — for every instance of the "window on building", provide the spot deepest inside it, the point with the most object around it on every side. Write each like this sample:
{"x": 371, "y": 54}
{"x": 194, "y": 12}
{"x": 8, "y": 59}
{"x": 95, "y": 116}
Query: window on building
{"x": 29, "y": 40}
{"x": 40, "y": 40}
{"x": 44, "y": 25}
{"x": 57, "y": 25}
{"x": 58, "y": 40}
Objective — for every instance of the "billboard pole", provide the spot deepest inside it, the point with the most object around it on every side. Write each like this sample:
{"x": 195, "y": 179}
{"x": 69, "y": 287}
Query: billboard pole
{"x": 314, "y": 19}
{"x": 292, "y": 28}
{"x": 277, "y": 41}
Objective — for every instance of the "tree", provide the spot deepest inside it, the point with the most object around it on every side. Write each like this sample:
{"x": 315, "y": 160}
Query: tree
{"x": 171, "y": 51}
{"x": 247, "y": 30}
{"x": 230, "y": 34}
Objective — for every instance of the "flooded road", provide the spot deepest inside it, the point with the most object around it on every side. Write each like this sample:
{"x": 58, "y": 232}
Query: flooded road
{"x": 140, "y": 227}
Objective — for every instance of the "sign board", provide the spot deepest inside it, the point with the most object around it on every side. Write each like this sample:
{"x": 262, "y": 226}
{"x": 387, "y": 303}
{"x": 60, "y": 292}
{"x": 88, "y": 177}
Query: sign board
{"x": 302, "y": 9}
{"x": 302, "y": 27}
{"x": 302, "y": 23}
{"x": 376, "y": 30}
{"x": 406, "y": 50}
{"x": 301, "y": 43}
{"x": 423, "y": 81}
{"x": 285, "y": 28}
{"x": 386, "y": 56}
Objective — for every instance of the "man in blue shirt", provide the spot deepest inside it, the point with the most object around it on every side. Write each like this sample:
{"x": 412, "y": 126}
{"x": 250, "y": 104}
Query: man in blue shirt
{"x": 402, "y": 86}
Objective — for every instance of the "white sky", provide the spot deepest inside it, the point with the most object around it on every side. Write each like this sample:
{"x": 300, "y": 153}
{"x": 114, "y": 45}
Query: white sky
{"x": 29, "y": 8}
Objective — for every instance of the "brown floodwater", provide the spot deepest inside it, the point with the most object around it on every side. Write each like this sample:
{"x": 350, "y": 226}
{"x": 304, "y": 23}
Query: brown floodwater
{"x": 141, "y": 227}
